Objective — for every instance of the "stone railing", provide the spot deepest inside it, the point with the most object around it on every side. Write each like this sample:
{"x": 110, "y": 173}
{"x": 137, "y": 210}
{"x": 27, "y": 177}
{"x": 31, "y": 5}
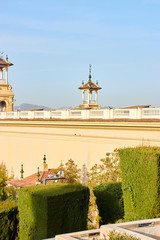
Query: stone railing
{"x": 137, "y": 113}
{"x": 3, "y": 81}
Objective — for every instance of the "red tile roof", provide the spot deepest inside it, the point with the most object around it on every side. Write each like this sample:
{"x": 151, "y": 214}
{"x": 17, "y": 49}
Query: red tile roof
{"x": 30, "y": 180}
{"x": 90, "y": 85}
{"x": 4, "y": 63}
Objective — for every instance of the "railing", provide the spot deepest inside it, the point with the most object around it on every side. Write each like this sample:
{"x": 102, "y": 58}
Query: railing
{"x": 3, "y": 81}
{"x": 90, "y": 102}
{"x": 97, "y": 114}
{"x": 75, "y": 114}
{"x": 122, "y": 113}
{"x": 137, "y": 113}
{"x": 56, "y": 114}
{"x": 24, "y": 114}
{"x": 151, "y": 113}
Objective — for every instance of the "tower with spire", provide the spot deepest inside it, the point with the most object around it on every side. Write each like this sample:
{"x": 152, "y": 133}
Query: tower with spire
{"x": 6, "y": 94}
{"x": 88, "y": 99}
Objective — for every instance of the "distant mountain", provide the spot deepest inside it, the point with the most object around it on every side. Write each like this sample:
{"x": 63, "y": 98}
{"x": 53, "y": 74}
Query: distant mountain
{"x": 27, "y": 106}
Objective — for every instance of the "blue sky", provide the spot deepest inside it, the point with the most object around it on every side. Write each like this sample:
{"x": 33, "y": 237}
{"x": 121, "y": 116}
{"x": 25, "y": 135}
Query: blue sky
{"x": 52, "y": 42}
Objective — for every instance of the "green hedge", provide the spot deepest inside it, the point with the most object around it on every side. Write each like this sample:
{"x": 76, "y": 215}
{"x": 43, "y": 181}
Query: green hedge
{"x": 47, "y": 210}
{"x": 109, "y": 201}
{"x": 9, "y": 220}
{"x": 140, "y": 172}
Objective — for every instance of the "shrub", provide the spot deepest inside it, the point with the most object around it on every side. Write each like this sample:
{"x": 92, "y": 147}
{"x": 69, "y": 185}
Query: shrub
{"x": 9, "y": 220}
{"x": 109, "y": 201}
{"x": 140, "y": 171}
{"x": 118, "y": 236}
{"x": 52, "y": 209}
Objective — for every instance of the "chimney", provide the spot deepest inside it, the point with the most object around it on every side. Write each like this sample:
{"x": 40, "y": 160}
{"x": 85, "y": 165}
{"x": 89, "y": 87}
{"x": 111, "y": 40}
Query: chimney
{"x": 45, "y": 165}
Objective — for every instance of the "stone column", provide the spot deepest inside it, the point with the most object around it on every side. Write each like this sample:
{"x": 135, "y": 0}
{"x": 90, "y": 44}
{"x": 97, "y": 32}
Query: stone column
{"x": 82, "y": 96}
{"x": 88, "y": 96}
{"x": 6, "y": 75}
{"x": 96, "y": 93}
{"x": 1, "y": 73}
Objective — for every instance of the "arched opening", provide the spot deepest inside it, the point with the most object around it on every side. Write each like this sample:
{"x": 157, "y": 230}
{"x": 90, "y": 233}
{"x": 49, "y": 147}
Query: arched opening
{"x": 2, "y": 106}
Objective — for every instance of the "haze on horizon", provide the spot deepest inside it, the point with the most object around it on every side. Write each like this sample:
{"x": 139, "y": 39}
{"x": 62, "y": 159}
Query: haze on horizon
{"x": 51, "y": 44}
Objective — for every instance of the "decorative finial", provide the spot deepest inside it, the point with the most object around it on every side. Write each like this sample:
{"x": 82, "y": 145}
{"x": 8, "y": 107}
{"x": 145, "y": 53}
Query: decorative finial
{"x": 82, "y": 82}
{"x": 1, "y": 54}
{"x": 90, "y": 72}
{"x": 97, "y": 82}
{"x": 21, "y": 171}
{"x": 6, "y": 57}
{"x": 44, "y": 159}
{"x": 38, "y": 174}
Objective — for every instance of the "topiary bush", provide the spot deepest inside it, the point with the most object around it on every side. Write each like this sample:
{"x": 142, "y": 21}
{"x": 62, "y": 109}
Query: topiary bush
{"x": 9, "y": 220}
{"x": 109, "y": 201}
{"x": 47, "y": 210}
{"x": 140, "y": 172}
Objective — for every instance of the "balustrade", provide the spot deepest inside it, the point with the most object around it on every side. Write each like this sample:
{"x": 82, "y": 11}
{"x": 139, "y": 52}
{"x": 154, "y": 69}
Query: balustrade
{"x": 3, "y": 81}
{"x": 138, "y": 113}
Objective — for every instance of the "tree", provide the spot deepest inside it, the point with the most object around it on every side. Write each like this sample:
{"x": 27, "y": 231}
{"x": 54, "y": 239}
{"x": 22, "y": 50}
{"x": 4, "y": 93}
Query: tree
{"x": 4, "y": 191}
{"x": 107, "y": 171}
{"x": 72, "y": 172}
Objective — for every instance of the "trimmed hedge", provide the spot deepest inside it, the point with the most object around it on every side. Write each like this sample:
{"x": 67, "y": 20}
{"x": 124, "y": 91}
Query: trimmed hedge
{"x": 47, "y": 210}
{"x": 109, "y": 201}
{"x": 140, "y": 172}
{"x": 9, "y": 220}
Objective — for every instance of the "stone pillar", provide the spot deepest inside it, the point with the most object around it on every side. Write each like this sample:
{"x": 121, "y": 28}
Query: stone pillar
{"x": 88, "y": 96}
{"x": 96, "y": 93}
{"x": 6, "y": 75}
{"x": 84, "y": 177}
{"x": 1, "y": 73}
{"x": 83, "y": 97}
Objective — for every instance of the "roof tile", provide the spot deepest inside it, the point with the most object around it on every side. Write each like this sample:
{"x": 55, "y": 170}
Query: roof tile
{"x": 90, "y": 85}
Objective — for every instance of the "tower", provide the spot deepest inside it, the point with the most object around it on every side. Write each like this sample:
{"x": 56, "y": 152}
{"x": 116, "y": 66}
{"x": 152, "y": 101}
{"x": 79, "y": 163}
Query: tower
{"x": 88, "y": 99}
{"x": 6, "y": 94}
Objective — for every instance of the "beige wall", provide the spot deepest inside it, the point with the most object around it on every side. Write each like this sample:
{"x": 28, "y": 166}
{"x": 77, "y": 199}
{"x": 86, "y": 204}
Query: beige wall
{"x": 25, "y": 142}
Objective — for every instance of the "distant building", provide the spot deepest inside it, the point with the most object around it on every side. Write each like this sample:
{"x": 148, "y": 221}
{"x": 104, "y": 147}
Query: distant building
{"x": 88, "y": 101}
{"x": 30, "y": 180}
{"x": 41, "y": 177}
{"x": 6, "y": 94}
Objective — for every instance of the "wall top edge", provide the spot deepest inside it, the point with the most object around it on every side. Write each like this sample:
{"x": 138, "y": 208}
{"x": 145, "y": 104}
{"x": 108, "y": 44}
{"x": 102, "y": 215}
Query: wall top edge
{"x": 79, "y": 123}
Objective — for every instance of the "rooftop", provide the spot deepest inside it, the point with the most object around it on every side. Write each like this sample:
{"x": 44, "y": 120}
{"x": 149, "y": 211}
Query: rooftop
{"x": 5, "y": 63}
{"x": 30, "y": 180}
{"x": 90, "y": 85}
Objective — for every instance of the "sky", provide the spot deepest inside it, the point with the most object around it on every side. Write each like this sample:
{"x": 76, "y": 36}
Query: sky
{"x": 52, "y": 42}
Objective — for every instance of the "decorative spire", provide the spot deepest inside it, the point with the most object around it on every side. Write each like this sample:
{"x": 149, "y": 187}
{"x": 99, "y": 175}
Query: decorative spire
{"x": 82, "y": 82}
{"x": 2, "y": 54}
{"x": 97, "y": 82}
{"x": 38, "y": 174}
{"x": 6, "y": 57}
{"x": 21, "y": 171}
{"x": 44, "y": 159}
{"x": 90, "y": 72}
